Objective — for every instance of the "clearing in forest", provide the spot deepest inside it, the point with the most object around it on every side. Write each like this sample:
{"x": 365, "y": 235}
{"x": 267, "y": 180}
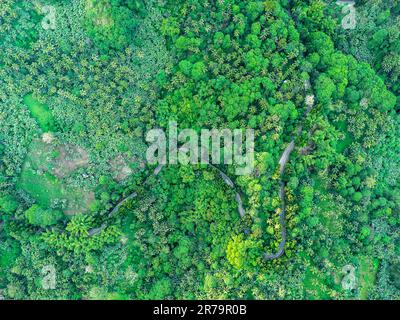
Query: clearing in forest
{"x": 42, "y": 177}
{"x": 346, "y": 141}
{"x": 368, "y": 268}
{"x": 40, "y": 112}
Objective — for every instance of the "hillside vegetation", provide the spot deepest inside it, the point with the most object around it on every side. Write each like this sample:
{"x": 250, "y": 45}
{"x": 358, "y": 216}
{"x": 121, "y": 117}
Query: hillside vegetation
{"x": 78, "y": 198}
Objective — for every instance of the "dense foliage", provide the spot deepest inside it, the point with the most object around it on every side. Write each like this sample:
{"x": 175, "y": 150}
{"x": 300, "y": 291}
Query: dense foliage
{"x": 79, "y": 202}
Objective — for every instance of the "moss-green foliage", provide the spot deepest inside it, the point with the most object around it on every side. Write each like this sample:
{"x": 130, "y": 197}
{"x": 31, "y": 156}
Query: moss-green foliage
{"x": 41, "y": 113}
{"x": 76, "y": 238}
{"x": 50, "y": 192}
{"x": 42, "y": 187}
{"x": 368, "y": 268}
{"x": 43, "y": 218}
{"x": 346, "y": 142}
{"x": 113, "y": 23}
{"x": 24, "y": 18}
{"x": 395, "y": 275}
{"x": 376, "y": 39}
{"x": 8, "y": 204}
{"x": 242, "y": 253}
{"x": 39, "y": 181}
{"x": 315, "y": 287}
{"x": 113, "y": 69}
{"x": 97, "y": 293}
{"x": 9, "y": 251}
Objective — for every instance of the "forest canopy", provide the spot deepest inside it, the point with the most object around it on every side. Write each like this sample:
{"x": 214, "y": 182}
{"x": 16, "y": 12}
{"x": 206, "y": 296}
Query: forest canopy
{"x": 82, "y": 82}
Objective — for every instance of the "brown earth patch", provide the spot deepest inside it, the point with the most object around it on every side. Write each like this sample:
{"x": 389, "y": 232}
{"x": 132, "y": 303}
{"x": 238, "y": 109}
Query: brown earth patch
{"x": 69, "y": 159}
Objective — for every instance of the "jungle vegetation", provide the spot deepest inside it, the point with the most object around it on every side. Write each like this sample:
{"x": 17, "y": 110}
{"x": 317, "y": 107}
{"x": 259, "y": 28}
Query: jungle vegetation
{"x": 76, "y": 101}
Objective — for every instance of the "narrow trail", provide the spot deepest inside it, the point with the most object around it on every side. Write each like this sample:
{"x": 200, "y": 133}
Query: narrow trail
{"x": 283, "y": 162}
{"x": 284, "y": 159}
{"x": 156, "y": 171}
{"x": 282, "y": 216}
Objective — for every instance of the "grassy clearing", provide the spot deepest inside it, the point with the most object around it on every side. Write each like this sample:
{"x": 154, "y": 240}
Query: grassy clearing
{"x": 346, "y": 142}
{"x": 368, "y": 268}
{"x": 41, "y": 113}
{"x": 50, "y": 192}
{"x": 40, "y": 180}
{"x": 43, "y": 187}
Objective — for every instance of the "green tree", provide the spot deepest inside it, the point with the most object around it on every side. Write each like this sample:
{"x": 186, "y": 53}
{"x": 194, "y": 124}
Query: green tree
{"x": 41, "y": 217}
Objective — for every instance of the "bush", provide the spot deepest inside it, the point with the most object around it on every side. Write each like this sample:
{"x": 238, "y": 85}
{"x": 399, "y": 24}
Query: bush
{"x": 41, "y": 217}
{"x": 8, "y": 204}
